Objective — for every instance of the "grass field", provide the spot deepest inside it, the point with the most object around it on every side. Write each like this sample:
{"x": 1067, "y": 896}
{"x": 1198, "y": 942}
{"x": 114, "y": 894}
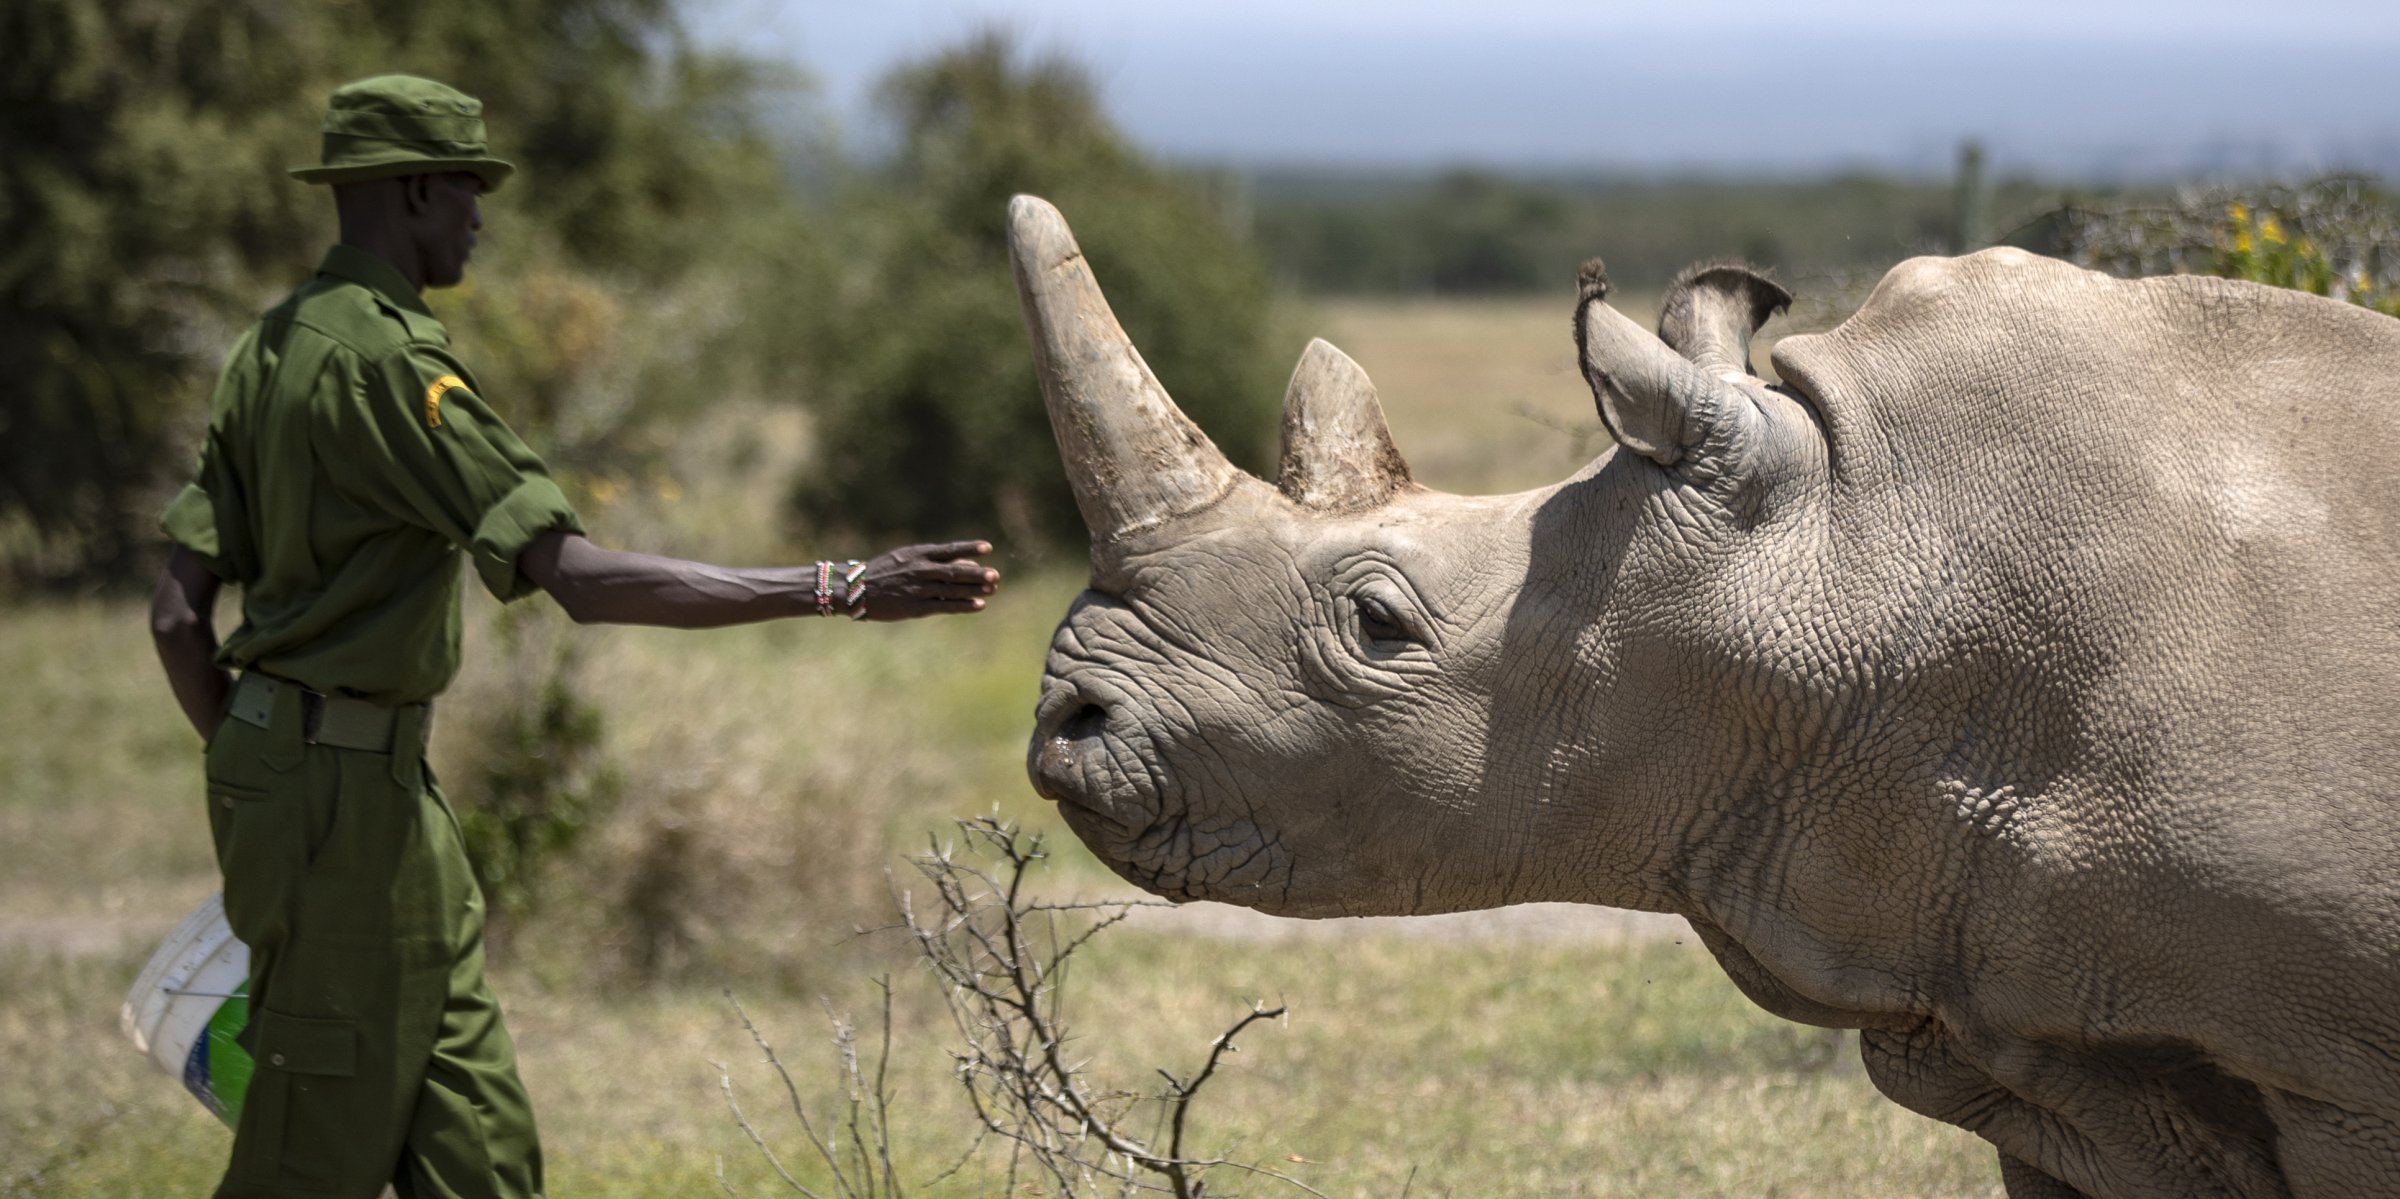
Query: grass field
{"x": 1485, "y": 396}
{"x": 771, "y": 776}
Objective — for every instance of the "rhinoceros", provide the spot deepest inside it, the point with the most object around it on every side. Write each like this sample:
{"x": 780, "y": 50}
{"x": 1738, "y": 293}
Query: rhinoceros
{"x": 2015, "y": 682}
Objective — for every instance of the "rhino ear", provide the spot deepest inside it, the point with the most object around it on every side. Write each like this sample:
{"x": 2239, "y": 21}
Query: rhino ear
{"x": 1654, "y": 402}
{"x": 1338, "y": 454}
{"x": 1712, "y": 308}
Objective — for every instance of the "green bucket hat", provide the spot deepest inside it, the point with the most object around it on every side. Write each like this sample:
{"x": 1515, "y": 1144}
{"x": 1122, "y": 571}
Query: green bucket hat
{"x": 403, "y": 125}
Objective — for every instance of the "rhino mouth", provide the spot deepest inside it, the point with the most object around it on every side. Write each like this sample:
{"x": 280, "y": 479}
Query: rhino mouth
{"x": 1079, "y": 764}
{"x": 1061, "y": 759}
{"x": 1127, "y": 807}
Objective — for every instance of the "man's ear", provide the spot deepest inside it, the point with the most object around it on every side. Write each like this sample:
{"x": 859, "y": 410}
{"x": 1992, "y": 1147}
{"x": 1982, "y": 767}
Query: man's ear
{"x": 416, "y": 193}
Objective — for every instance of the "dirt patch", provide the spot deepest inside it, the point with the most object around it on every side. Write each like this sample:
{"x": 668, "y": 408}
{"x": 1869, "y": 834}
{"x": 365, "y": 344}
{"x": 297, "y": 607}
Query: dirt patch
{"x": 1524, "y": 922}
{"x": 84, "y": 936}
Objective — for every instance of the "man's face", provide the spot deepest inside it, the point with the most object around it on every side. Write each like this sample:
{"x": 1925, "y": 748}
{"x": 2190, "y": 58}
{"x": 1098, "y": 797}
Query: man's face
{"x": 447, "y": 221}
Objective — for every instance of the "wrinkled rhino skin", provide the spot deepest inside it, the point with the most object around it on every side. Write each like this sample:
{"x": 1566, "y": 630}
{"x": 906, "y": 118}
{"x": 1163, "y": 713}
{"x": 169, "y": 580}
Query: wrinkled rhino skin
{"x": 2016, "y": 683}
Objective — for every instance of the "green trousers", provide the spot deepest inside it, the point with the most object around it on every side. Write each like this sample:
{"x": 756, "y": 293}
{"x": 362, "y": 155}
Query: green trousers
{"x": 381, "y": 1057}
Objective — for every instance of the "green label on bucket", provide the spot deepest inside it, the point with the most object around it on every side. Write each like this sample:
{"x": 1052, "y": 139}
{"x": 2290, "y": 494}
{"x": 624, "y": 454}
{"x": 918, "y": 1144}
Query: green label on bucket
{"x": 218, "y": 1070}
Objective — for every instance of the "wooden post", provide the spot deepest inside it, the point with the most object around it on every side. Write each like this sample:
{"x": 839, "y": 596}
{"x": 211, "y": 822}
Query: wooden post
{"x": 1970, "y": 213}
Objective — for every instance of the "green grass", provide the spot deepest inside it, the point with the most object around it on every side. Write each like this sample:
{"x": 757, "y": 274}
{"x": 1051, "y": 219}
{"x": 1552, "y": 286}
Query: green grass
{"x": 1486, "y": 397}
{"x": 1482, "y": 398}
{"x": 94, "y": 760}
{"x": 788, "y": 767}
{"x": 1480, "y": 1069}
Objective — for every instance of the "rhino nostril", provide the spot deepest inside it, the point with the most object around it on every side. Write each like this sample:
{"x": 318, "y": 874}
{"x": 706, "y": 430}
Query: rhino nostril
{"x": 1086, "y": 723}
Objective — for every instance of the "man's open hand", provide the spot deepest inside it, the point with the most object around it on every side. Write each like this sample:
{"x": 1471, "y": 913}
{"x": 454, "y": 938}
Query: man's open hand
{"x": 928, "y": 580}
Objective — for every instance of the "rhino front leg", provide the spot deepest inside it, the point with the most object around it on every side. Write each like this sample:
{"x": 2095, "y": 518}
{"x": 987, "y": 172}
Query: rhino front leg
{"x": 2133, "y": 1121}
{"x": 2023, "y": 1181}
{"x": 1920, "y": 1069}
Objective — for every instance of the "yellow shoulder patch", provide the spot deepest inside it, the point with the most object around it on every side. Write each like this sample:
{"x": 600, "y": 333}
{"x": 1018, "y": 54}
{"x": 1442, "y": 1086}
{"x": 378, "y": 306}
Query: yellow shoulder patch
{"x": 433, "y": 399}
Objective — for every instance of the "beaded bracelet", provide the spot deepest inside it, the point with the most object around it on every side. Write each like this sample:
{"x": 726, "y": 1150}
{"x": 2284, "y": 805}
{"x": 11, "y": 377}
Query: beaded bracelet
{"x": 852, "y": 594}
{"x": 854, "y": 582}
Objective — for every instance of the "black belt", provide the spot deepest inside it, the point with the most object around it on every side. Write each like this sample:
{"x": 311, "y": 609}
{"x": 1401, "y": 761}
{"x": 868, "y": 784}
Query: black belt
{"x": 341, "y": 721}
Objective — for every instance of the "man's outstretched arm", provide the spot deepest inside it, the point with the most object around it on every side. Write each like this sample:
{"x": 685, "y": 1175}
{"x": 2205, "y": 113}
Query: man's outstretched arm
{"x": 184, "y": 628}
{"x": 603, "y": 586}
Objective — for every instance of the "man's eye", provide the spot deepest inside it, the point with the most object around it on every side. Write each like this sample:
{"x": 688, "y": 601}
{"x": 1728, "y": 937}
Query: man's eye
{"x": 1378, "y": 622}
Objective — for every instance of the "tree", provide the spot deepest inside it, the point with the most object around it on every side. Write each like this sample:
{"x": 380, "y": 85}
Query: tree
{"x": 134, "y": 134}
{"x": 149, "y": 215}
{"x": 931, "y": 418}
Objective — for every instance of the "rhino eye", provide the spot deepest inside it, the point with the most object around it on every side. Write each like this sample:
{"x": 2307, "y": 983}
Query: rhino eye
{"x": 1370, "y": 634}
{"x": 1379, "y": 622}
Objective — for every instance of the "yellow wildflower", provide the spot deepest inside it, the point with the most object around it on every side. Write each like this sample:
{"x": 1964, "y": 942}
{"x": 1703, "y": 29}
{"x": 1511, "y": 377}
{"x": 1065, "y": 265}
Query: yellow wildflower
{"x": 2238, "y": 213}
{"x": 2241, "y": 239}
{"x": 2270, "y": 230}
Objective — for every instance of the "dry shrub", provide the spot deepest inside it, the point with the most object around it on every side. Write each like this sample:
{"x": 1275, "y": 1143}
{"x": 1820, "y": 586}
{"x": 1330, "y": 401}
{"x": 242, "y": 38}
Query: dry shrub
{"x": 756, "y": 795}
{"x": 731, "y": 853}
{"x": 523, "y": 755}
{"x": 998, "y": 955}
{"x": 746, "y": 813}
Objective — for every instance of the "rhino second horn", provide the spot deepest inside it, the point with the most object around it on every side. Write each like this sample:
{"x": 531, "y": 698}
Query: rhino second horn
{"x": 1653, "y": 402}
{"x": 1712, "y": 308}
{"x": 1337, "y": 454}
{"x": 1134, "y": 459}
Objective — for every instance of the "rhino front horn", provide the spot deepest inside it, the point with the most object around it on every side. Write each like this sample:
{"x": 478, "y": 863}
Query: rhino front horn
{"x": 1135, "y": 460}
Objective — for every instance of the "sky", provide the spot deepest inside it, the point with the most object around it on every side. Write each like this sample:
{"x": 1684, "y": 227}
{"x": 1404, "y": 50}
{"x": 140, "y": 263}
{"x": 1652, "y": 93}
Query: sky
{"x": 2089, "y": 88}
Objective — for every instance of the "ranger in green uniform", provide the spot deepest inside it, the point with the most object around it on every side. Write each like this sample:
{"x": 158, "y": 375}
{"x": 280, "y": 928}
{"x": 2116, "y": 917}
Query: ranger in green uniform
{"x": 350, "y": 463}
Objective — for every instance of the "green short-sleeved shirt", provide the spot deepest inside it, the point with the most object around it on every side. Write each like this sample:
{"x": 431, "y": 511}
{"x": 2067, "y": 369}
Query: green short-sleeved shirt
{"x": 349, "y": 460}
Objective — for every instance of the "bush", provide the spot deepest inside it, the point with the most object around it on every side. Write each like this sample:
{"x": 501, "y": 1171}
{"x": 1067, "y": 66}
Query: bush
{"x": 139, "y": 138}
{"x": 149, "y": 215}
{"x": 1001, "y": 957}
{"x": 931, "y": 420}
{"x": 2338, "y": 237}
{"x": 537, "y": 778}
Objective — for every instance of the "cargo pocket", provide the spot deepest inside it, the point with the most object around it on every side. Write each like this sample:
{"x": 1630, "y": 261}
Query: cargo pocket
{"x": 254, "y": 854}
{"x": 229, "y": 805}
{"x": 300, "y": 1120}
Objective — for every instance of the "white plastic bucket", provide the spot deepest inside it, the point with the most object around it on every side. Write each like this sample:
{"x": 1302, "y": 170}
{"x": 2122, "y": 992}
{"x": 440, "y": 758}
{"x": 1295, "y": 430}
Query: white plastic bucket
{"x": 189, "y": 1003}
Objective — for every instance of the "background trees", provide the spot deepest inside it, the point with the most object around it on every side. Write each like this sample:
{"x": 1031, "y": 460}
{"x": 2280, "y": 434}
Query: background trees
{"x": 148, "y": 214}
{"x": 654, "y": 253}
{"x": 931, "y": 420}
{"x": 685, "y": 232}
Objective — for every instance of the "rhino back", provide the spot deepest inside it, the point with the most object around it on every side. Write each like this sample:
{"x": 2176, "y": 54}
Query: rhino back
{"x": 2002, "y": 376}
{"x": 2186, "y": 484}
{"x": 2176, "y": 495}
{"x": 2133, "y": 548}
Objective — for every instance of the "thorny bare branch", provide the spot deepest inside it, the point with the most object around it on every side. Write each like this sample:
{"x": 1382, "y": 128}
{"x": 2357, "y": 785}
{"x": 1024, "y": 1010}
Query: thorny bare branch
{"x": 1216, "y": 1053}
{"x": 725, "y": 1083}
{"x": 1001, "y": 959}
{"x": 862, "y": 1164}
